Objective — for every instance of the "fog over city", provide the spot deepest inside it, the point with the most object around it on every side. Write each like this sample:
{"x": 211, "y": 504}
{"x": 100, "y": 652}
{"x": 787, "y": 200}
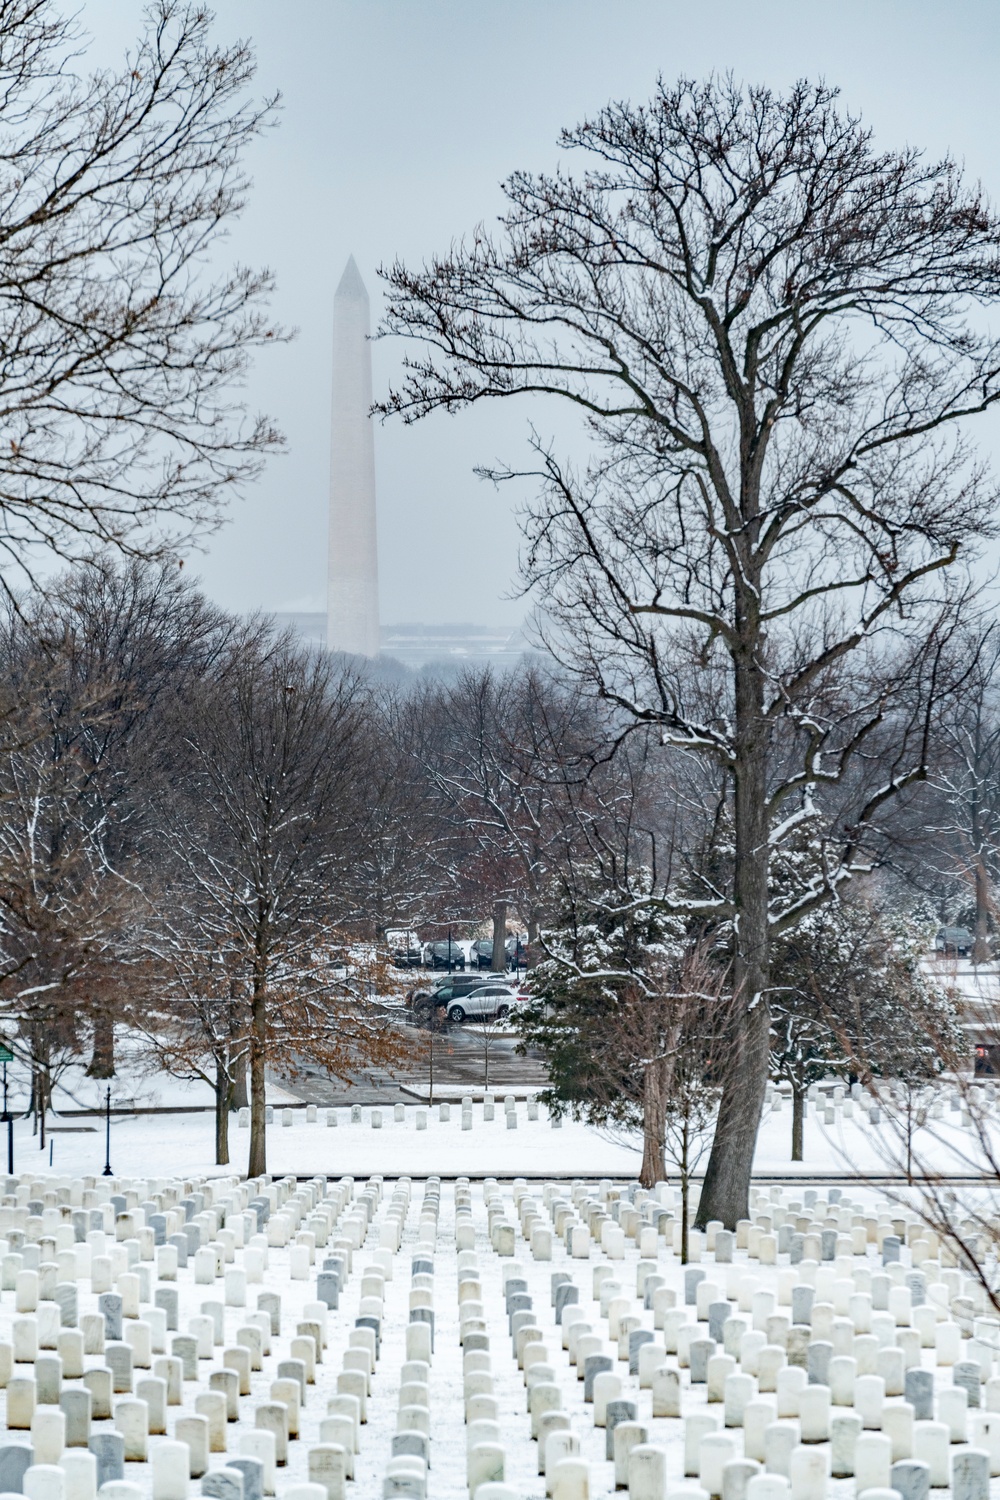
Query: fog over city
{"x": 398, "y": 122}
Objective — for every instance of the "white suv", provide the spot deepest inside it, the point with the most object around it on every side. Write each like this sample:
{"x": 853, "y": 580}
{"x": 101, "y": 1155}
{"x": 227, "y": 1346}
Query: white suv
{"x": 487, "y": 1002}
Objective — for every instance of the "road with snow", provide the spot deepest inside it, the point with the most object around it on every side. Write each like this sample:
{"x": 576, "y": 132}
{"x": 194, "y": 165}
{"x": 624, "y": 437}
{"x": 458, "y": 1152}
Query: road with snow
{"x": 452, "y": 1060}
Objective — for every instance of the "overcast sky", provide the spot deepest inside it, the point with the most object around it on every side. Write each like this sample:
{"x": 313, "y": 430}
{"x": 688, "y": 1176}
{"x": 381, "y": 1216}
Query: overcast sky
{"x": 400, "y": 118}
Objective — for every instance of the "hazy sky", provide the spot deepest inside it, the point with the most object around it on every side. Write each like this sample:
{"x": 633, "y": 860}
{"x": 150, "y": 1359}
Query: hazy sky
{"x": 400, "y": 118}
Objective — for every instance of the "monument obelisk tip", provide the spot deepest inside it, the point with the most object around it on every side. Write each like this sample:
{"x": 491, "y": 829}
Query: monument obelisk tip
{"x": 350, "y": 284}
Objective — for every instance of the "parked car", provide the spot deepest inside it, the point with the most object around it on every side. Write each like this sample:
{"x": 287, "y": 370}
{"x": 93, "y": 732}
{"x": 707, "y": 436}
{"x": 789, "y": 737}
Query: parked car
{"x": 482, "y": 953}
{"x": 487, "y": 1002}
{"x": 987, "y": 1064}
{"x": 515, "y": 953}
{"x": 439, "y": 992}
{"x": 443, "y": 955}
{"x": 953, "y": 942}
{"x": 404, "y": 947}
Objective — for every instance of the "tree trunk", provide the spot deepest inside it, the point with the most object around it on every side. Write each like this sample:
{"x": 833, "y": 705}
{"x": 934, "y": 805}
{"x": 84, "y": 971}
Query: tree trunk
{"x": 981, "y": 939}
{"x": 257, "y": 1165}
{"x": 102, "y": 1062}
{"x": 238, "y": 1081}
{"x": 498, "y": 963}
{"x": 534, "y": 927}
{"x": 223, "y": 1088}
{"x": 798, "y": 1117}
{"x": 726, "y": 1192}
{"x": 654, "y": 1113}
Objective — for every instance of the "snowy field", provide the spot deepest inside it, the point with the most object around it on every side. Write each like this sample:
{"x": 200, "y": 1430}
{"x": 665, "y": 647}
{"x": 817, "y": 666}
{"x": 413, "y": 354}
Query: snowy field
{"x": 184, "y": 1143}
{"x": 839, "y": 1136}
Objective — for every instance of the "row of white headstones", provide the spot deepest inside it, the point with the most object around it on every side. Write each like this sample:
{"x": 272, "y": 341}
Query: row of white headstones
{"x": 771, "y": 1380}
{"x": 832, "y": 1102}
{"x": 93, "y": 1389}
{"x": 402, "y": 1114}
{"x": 757, "y": 1378}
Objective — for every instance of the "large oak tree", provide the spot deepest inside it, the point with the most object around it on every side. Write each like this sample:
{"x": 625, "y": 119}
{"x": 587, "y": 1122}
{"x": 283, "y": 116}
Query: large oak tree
{"x": 775, "y": 335}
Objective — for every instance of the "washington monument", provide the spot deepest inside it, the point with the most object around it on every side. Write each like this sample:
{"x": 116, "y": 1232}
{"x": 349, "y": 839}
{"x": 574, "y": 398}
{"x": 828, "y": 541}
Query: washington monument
{"x": 352, "y": 579}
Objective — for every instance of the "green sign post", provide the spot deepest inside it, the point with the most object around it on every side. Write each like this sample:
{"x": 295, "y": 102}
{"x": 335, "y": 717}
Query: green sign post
{"x": 6, "y": 1056}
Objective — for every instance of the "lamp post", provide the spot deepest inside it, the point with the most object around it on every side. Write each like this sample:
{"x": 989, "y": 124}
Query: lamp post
{"x": 430, "y": 1079}
{"x": 9, "y": 1121}
{"x": 107, "y": 1134}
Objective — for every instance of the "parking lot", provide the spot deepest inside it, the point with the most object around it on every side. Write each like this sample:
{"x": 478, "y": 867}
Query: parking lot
{"x": 455, "y": 1059}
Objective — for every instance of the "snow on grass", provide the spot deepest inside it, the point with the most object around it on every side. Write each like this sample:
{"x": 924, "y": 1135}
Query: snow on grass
{"x": 185, "y": 1143}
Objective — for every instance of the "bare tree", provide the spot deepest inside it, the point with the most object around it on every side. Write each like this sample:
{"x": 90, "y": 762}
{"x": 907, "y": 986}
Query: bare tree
{"x": 121, "y": 355}
{"x": 485, "y": 809}
{"x": 772, "y": 331}
{"x": 399, "y": 872}
{"x": 691, "y": 1105}
{"x": 193, "y": 1017}
{"x": 936, "y": 1130}
{"x": 803, "y": 1051}
{"x": 260, "y": 827}
{"x": 965, "y": 816}
{"x": 501, "y": 751}
{"x": 197, "y": 1019}
{"x": 645, "y": 1049}
{"x": 65, "y": 905}
{"x": 114, "y": 642}
{"x": 489, "y": 1033}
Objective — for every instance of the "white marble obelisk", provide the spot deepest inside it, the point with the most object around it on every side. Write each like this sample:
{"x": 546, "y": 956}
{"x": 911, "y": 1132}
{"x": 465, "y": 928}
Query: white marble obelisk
{"x": 352, "y": 599}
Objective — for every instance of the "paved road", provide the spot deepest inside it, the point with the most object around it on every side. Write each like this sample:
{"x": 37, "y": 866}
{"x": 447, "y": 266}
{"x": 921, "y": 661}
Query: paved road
{"x": 458, "y": 1059}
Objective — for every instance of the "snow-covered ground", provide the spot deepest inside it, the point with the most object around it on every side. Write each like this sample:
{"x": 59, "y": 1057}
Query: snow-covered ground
{"x": 133, "y": 1086}
{"x": 454, "y": 1226}
{"x": 184, "y": 1143}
